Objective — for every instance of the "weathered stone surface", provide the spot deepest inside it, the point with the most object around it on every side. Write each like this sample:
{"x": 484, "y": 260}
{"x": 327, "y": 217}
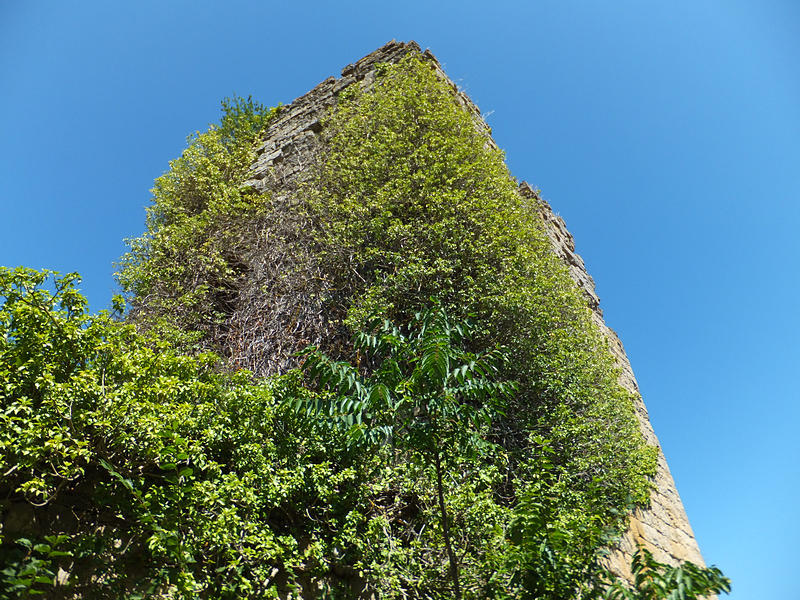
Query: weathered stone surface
{"x": 663, "y": 527}
{"x": 290, "y": 145}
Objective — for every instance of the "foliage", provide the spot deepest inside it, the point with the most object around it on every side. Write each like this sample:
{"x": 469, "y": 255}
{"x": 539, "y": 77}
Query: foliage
{"x": 406, "y": 199}
{"x": 414, "y": 201}
{"x": 143, "y": 473}
{"x": 33, "y": 569}
{"x": 423, "y": 382}
{"x": 658, "y": 581}
{"x": 132, "y": 471}
{"x": 555, "y": 553}
{"x": 426, "y": 396}
{"x": 184, "y": 271}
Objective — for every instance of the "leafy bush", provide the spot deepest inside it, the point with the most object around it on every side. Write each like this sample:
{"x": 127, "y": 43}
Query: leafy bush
{"x": 134, "y": 471}
{"x": 184, "y": 271}
{"x": 427, "y": 397}
{"x": 653, "y": 580}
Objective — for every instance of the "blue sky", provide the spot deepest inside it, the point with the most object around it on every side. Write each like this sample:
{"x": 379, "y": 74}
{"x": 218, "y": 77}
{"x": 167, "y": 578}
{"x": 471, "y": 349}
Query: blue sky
{"x": 667, "y": 134}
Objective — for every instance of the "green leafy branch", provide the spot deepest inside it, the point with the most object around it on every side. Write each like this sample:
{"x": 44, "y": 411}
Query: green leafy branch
{"x": 424, "y": 393}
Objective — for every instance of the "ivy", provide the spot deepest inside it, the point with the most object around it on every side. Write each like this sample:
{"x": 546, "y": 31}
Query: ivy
{"x": 184, "y": 271}
{"x": 133, "y": 471}
{"x": 413, "y": 201}
{"x": 225, "y": 488}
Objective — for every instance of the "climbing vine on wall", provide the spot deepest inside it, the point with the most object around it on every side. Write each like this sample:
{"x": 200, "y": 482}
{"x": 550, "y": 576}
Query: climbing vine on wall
{"x": 406, "y": 203}
{"x": 413, "y": 201}
{"x": 185, "y": 270}
{"x": 133, "y": 471}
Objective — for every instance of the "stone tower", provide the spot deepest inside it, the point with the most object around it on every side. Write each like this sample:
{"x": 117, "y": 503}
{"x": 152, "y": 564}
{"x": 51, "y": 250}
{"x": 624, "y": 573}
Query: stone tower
{"x": 290, "y": 145}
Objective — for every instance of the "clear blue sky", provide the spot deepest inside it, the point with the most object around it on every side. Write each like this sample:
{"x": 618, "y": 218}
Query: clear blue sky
{"x": 666, "y": 133}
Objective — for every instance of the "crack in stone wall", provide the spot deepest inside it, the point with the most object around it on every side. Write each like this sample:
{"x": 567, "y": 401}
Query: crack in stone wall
{"x": 291, "y": 144}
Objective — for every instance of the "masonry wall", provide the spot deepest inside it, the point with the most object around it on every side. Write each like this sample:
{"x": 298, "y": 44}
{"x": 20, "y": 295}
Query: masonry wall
{"x": 291, "y": 145}
{"x": 664, "y": 527}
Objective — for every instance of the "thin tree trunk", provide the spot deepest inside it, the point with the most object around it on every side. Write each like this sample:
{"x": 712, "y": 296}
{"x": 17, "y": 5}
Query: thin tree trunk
{"x": 446, "y": 527}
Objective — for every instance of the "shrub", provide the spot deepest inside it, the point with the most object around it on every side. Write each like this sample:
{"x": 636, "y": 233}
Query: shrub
{"x": 184, "y": 271}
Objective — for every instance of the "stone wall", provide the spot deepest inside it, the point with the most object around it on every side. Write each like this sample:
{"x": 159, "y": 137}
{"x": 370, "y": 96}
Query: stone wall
{"x": 290, "y": 146}
{"x": 663, "y": 528}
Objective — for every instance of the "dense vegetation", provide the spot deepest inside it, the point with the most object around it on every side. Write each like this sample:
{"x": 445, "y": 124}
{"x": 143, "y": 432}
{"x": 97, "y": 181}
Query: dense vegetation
{"x": 131, "y": 471}
{"x": 411, "y": 203}
{"x": 185, "y": 270}
{"x": 473, "y": 442}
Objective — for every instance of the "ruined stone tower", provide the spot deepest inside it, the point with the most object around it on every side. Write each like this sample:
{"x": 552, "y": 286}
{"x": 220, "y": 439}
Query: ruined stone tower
{"x": 289, "y": 146}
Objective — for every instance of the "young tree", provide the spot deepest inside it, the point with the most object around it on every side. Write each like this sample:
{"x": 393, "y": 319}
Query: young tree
{"x": 653, "y": 580}
{"x": 424, "y": 393}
